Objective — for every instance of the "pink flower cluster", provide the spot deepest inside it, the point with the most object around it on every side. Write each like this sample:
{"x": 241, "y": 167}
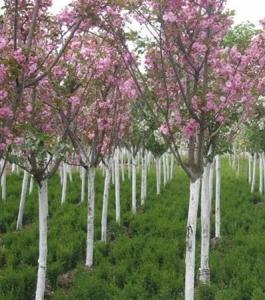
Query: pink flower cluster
{"x": 6, "y": 113}
{"x": 190, "y": 129}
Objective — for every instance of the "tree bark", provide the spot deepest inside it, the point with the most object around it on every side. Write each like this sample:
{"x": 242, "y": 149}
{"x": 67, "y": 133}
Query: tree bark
{"x": 133, "y": 184}
{"x": 260, "y": 174}
{"x": 3, "y": 182}
{"x": 42, "y": 262}
{"x": 204, "y": 272}
{"x": 117, "y": 187}
{"x": 191, "y": 239}
{"x": 90, "y": 217}
{"x": 31, "y": 184}
{"x": 22, "y": 200}
{"x": 64, "y": 183}
{"x": 104, "y": 219}
{"x": 83, "y": 184}
{"x": 218, "y": 198}
{"x": 164, "y": 169}
{"x": 253, "y": 184}
{"x": 144, "y": 178}
{"x": 249, "y": 168}
{"x": 158, "y": 175}
{"x": 171, "y": 166}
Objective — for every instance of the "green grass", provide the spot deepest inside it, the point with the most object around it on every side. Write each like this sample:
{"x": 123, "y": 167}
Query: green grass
{"x": 145, "y": 257}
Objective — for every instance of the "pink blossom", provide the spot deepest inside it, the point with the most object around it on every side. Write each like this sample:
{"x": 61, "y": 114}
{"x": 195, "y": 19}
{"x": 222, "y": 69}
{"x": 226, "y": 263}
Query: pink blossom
{"x": 211, "y": 106}
{"x": 3, "y": 73}
{"x": 29, "y": 108}
{"x": 66, "y": 16}
{"x": 75, "y": 101}
{"x": 19, "y": 56}
{"x": 58, "y": 72}
{"x": 228, "y": 84}
{"x": 3, "y": 94}
{"x": 191, "y": 128}
{"x": 128, "y": 89}
{"x": 3, "y": 43}
{"x": 5, "y": 112}
{"x": 169, "y": 17}
{"x": 164, "y": 129}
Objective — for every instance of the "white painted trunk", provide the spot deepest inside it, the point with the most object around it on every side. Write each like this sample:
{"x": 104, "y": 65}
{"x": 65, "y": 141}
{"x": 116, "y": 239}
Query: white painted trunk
{"x": 260, "y": 174}
{"x": 129, "y": 165}
{"x": 42, "y": 261}
{"x": 61, "y": 172}
{"x": 145, "y": 174}
{"x": 83, "y": 184}
{"x": 211, "y": 182}
{"x": 191, "y": 240}
{"x": 104, "y": 218}
{"x": 253, "y": 183}
{"x": 263, "y": 168}
{"x": 164, "y": 169}
{"x": 117, "y": 188}
{"x": 218, "y": 197}
{"x": 249, "y": 168}
{"x": 204, "y": 272}
{"x": 167, "y": 167}
{"x": 64, "y": 188}
{"x": 3, "y": 183}
{"x": 133, "y": 184}
{"x": 144, "y": 178}
{"x": 31, "y": 184}
{"x": 172, "y": 166}
{"x": 113, "y": 171}
{"x": 158, "y": 175}
{"x": 90, "y": 217}
{"x": 69, "y": 172}
{"x": 22, "y": 200}
{"x": 122, "y": 165}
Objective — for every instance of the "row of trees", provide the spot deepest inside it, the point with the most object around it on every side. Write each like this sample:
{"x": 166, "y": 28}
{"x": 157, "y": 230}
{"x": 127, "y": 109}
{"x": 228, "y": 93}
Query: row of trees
{"x": 73, "y": 88}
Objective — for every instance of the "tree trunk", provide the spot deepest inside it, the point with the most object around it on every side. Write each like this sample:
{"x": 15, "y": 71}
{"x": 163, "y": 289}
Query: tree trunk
{"x": 117, "y": 187}
{"x": 167, "y": 167}
{"x": 22, "y": 199}
{"x": 191, "y": 239}
{"x": 64, "y": 183}
{"x": 31, "y": 184}
{"x": 164, "y": 169}
{"x": 253, "y": 184}
{"x": 133, "y": 184}
{"x": 260, "y": 174}
{"x": 218, "y": 198}
{"x": 3, "y": 182}
{"x": 204, "y": 272}
{"x": 113, "y": 171}
{"x": 104, "y": 219}
{"x": 83, "y": 184}
{"x": 143, "y": 178}
{"x": 42, "y": 262}
{"x": 172, "y": 166}
{"x": 122, "y": 165}
{"x": 158, "y": 175}
{"x": 211, "y": 183}
{"x": 249, "y": 168}
{"x": 69, "y": 172}
{"x": 90, "y": 217}
{"x": 129, "y": 165}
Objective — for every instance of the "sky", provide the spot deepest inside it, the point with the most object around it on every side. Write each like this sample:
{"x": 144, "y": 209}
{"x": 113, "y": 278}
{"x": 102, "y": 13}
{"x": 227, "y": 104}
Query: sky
{"x": 246, "y": 10}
